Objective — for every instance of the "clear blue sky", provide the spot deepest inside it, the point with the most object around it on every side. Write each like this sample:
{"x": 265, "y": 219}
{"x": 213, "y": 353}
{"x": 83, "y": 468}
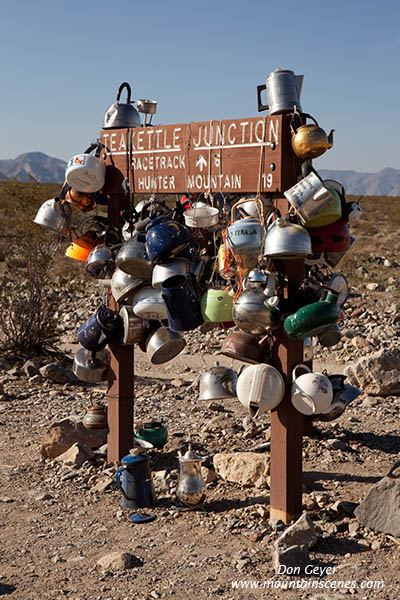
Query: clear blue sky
{"x": 62, "y": 63}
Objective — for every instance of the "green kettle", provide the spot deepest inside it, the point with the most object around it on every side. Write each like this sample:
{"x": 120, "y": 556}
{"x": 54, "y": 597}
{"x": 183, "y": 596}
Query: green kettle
{"x": 154, "y": 432}
{"x": 314, "y": 318}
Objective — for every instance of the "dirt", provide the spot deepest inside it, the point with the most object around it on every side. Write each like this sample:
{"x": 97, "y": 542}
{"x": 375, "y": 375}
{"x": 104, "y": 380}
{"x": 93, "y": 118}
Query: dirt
{"x": 53, "y": 533}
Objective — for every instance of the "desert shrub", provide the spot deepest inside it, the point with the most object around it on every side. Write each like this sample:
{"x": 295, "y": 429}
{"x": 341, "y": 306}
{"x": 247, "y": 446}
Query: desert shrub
{"x": 27, "y": 300}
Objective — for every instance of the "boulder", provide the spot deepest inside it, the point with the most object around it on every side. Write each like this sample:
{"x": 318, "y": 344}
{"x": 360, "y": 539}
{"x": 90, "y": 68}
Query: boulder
{"x": 76, "y": 455}
{"x": 301, "y": 533}
{"x": 289, "y": 556}
{"x": 63, "y": 434}
{"x": 55, "y": 372}
{"x": 31, "y": 367}
{"x": 380, "y": 510}
{"x": 246, "y": 468}
{"x": 117, "y": 561}
{"x": 377, "y": 373}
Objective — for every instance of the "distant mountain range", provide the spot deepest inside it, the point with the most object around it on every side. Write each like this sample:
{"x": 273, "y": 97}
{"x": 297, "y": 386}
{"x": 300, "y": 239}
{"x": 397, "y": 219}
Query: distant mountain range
{"x": 384, "y": 183}
{"x": 47, "y": 169}
{"x": 38, "y": 165}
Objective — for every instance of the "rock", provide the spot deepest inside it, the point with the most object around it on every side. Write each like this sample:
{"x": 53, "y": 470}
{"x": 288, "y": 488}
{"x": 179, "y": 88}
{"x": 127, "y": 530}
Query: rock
{"x": 344, "y": 508}
{"x": 208, "y": 475}
{"x": 1, "y": 388}
{"x": 309, "y": 503}
{"x": 76, "y": 455}
{"x": 55, "y": 372}
{"x": 301, "y": 533}
{"x": 380, "y": 510}
{"x": 354, "y": 528}
{"x": 117, "y": 561}
{"x": 63, "y": 434}
{"x": 336, "y": 444}
{"x": 43, "y": 496}
{"x": 372, "y": 287}
{"x": 215, "y": 406}
{"x": 31, "y": 367}
{"x": 377, "y": 373}
{"x": 6, "y": 499}
{"x": 292, "y": 556}
{"x": 246, "y": 468}
{"x": 220, "y": 422}
{"x": 103, "y": 484}
{"x": 277, "y": 524}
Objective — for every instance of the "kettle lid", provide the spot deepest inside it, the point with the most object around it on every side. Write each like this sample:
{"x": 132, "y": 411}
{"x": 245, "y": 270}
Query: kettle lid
{"x": 129, "y": 459}
{"x": 190, "y": 454}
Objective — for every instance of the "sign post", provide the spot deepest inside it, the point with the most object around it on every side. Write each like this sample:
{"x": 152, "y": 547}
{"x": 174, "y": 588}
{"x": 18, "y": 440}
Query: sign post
{"x": 230, "y": 157}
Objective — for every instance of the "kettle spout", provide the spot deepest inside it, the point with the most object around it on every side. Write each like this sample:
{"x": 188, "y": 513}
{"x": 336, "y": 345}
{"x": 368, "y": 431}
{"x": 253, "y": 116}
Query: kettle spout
{"x": 330, "y": 139}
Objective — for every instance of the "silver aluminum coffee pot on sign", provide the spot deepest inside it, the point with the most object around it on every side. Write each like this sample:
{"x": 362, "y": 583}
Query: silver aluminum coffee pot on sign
{"x": 283, "y": 91}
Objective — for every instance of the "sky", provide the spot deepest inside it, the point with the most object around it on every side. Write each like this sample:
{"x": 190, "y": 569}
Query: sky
{"x": 62, "y": 64}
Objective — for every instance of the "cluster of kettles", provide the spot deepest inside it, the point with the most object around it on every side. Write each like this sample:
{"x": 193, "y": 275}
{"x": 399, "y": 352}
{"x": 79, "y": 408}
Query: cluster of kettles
{"x": 212, "y": 260}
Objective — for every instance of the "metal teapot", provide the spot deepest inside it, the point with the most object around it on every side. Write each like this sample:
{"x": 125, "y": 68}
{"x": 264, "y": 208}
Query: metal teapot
{"x": 217, "y": 383}
{"x": 120, "y": 115}
{"x": 55, "y": 215}
{"x": 283, "y": 91}
{"x": 287, "y": 240}
{"x": 310, "y": 141}
{"x": 191, "y": 488}
{"x": 255, "y": 313}
{"x": 91, "y": 367}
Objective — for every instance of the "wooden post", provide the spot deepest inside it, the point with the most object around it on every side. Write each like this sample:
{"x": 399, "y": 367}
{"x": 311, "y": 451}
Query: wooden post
{"x": 120, "y": 395}
{"x": 286, "y": 422}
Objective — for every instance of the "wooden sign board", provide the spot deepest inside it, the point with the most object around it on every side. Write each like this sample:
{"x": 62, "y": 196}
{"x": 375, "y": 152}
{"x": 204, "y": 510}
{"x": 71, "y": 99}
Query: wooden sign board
{"x": 226, "y": 156}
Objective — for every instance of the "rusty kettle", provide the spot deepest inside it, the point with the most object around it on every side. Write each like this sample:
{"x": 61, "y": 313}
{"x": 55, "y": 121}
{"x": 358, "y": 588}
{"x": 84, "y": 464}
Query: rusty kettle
{"x": 310, "y": 141}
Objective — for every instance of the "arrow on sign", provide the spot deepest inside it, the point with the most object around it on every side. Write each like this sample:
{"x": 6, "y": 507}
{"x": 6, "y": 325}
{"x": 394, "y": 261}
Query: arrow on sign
{"x": 201, "y": 162}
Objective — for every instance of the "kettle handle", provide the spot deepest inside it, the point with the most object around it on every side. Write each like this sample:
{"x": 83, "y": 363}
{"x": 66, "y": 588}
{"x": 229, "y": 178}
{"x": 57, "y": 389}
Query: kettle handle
{"x": 123, "y": 85}
{"x": 261, "y": 106}
{"x": 303, "y": 367}
{"x": 118, "y": 481}
{"x": 243, "y": 201}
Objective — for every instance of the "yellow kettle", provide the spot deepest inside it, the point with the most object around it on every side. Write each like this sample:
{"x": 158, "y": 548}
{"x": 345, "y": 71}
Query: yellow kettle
{"x": 331, "y": 213}
{"x": 310, "y": 141}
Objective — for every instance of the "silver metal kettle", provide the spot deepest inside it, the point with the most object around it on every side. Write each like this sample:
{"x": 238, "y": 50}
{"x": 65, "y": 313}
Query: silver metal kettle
{"x": 217, "y": 383}
{"x": 119, "y": 114}
{"x": 283, "y": 91}
{"x": 190, "y": 489}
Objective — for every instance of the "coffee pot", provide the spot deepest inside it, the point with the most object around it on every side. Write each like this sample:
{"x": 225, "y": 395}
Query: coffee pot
{"x": 283, "y": 90}
{"x": 191, "y": 489}
{"x": 136, "y": 486}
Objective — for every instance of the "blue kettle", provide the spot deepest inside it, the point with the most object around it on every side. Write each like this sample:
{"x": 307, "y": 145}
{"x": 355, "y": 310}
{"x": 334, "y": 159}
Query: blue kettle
{"x": 95, "y": 333}
{"x": 137, "y": 485}
{"x": 165, "y": 238}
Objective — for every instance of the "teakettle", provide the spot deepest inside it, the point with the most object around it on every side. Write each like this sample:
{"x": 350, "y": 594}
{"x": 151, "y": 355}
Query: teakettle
{"x": 191, "y": 488}
{"x": 283, "y": 91}
{"x": 137, "y": 486}
{"x": 217, "y": 383}
{"x": 55, "y": 215}
{"x": 287, "y": 240}
{"x": 95, "y": 417}
{"x": 310, "y": 141}
{"x": 122, "y": 115}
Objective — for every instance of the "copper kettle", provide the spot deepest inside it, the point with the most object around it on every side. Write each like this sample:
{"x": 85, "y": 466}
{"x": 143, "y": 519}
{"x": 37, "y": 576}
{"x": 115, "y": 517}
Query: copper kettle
{"x": 310, "y": 140}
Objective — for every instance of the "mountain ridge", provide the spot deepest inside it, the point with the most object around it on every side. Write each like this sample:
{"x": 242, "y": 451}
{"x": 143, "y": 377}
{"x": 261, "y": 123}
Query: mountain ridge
{"x": 47, "y": 169}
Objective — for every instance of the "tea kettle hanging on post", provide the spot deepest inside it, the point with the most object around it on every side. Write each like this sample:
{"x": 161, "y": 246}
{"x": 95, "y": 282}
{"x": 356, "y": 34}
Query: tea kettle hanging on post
{"x": 309, "y": 141}
{"x": 283, "y": 91}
